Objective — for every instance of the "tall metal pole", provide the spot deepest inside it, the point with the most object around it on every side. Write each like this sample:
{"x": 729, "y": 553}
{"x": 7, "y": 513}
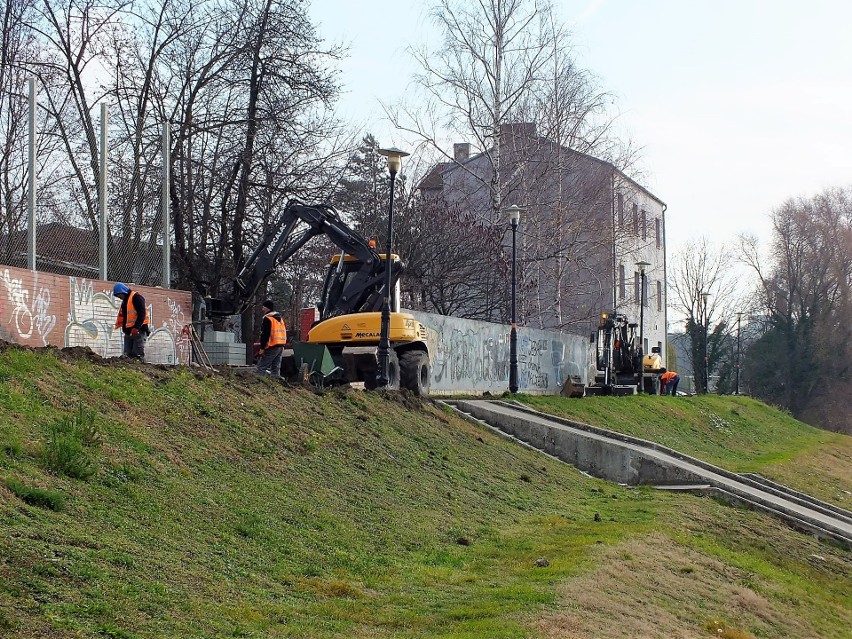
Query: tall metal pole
{"x": 513, "y": 335}
{"x": 102, "y": 199}
{"x": 739, "y": 320}
{"x": 706, "y": 357}
{"x": 166, "y": 208}
{"x": 384, "y": 339}
{"x": 394, "y": 158}
{"x": 642, "y": 266}
{"x": 642, "y": 331}
{"x": 31, "y": 185}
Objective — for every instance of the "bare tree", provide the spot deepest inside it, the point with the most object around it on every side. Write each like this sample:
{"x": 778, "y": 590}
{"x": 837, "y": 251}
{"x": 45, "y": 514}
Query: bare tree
{"x": 75, "y": 35}
{"x": 705, "y": 295}
{"x": 16, "y": 48}
{"x": 503, "y": 79}
{"x": 803, "y": 361}
{"x": 466, "y": 283}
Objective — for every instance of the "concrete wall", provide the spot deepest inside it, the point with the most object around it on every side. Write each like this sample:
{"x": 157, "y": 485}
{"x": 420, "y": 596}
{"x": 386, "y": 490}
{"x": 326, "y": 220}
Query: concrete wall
{"x": 40, "y": 309}
{"x": 469, "y": 356}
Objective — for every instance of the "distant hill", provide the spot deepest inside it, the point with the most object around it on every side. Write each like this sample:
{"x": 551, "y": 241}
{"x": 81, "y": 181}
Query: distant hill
{"x": 142, "y": 501}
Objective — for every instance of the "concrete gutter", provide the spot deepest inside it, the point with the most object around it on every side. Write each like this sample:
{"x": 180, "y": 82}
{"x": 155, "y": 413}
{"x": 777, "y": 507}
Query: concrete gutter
{"x": 630, "y": 460}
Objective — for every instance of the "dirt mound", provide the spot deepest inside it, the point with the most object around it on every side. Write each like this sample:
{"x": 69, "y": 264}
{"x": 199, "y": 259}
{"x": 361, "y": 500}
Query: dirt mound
{"x": 79, "y": 353}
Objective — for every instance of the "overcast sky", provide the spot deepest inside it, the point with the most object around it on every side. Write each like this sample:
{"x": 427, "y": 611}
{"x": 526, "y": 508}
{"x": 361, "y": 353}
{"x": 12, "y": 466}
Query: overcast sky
{"x": 737, "y": 104}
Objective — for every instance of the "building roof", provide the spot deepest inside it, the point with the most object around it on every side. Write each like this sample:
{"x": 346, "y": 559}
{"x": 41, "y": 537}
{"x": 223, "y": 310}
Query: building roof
{"x": 434, "y": 179}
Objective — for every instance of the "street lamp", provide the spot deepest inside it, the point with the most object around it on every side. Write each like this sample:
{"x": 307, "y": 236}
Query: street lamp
{"x": 739, "y": 320}
{"x": 514, "y": 215}
{"x": 706, "y": 323}
{"x": 642, "y": 266}
{"x": 394, "y": 158}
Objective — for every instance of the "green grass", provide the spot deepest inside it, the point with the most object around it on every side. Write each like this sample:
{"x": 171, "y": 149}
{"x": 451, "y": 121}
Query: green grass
{"x": 234, "y": 506}
{"x": 736, "y": 433}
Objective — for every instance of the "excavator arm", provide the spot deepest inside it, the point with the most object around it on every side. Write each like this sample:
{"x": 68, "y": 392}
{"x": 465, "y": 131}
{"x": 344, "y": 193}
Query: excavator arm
{"x": 297, "y": 224}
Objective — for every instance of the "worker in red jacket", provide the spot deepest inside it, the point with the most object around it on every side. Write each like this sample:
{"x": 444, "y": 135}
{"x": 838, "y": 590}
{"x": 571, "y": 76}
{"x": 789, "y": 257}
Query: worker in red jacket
{"x": 132, "y": 320}
{"x": 273, "y": 336}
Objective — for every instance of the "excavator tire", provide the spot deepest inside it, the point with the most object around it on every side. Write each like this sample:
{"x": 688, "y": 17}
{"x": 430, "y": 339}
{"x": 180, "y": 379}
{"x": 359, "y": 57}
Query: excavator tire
{"x": 416, "y": 375}
{"x": 393, "y": 374}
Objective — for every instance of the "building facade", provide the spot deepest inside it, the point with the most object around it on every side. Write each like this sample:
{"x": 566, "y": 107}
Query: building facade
{"x": 587, "y": 231}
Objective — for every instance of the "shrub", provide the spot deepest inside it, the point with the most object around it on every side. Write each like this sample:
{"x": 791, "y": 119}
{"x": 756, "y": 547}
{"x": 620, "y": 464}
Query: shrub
{"x": 66, "y": 450}
{"x": 13, "y": 448}
{"x": 65, "y": 454}
{"x": 36, "y": 496}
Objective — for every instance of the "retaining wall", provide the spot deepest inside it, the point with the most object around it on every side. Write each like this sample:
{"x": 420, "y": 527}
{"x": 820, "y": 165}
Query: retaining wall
{"x": 469, "y": 356}
{"x": 44, "y": 309}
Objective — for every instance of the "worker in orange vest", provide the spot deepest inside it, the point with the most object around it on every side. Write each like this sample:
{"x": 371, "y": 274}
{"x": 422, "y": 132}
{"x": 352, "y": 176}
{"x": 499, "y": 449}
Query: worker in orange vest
{"x": 132, "y": 320}
{"x": 668, "y": 383}
{"x": 273, "y": 336}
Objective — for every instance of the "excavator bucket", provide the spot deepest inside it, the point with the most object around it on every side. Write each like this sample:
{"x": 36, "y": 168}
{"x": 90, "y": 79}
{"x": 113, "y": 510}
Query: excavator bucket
{"x": 316, "y": 363}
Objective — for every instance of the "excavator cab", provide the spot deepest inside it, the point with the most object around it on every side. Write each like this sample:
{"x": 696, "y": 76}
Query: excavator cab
{"x": 346, "y": 285}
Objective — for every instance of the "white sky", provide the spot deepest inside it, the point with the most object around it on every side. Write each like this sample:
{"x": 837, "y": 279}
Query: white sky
{"x": 738, "y": 104}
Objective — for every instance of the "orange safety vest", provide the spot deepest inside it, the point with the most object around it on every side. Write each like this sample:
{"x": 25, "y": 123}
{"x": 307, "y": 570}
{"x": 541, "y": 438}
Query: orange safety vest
{"x": 667, "y": 377}
{"x": 131, "y": 314}
{"x": 277, "y": 331}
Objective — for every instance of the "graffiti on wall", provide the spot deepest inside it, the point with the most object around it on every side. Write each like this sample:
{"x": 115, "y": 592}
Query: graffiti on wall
{"x": 91, "y": 323}
{"x": 28, "y": 319}
{"x": 473, "y": 356}
{"x": 91, "y": 319}
{"x": 44, "y": 309}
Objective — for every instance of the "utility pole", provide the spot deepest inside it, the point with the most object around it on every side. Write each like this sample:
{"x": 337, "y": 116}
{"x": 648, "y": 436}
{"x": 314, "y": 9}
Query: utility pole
{"x": 706, "y": 324}
{"x": 739, "y": 320}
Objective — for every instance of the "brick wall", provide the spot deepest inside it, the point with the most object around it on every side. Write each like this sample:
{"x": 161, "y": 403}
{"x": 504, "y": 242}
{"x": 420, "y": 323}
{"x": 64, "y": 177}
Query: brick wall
{"x": 40, "y": 309}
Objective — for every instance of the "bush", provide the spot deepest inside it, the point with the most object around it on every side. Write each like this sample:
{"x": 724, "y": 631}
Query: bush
{"x": 13, "y": 448}
{"x": 66, "y": 454}
{"x": 66, "y": 450}
{"x": 36, "y": 496}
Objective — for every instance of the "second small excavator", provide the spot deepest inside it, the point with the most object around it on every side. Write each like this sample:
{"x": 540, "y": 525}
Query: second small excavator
{"x": 616, "y": 357}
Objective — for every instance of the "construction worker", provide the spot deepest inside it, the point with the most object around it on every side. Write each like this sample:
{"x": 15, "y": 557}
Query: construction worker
{"x": 668, "y": 383}
{"x": 132, "y": 320}
{"x": 273, "y": 336}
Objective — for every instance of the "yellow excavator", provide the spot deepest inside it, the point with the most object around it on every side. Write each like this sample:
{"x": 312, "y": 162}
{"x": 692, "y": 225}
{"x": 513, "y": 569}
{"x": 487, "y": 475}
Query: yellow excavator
{"x": 343, "y": 345}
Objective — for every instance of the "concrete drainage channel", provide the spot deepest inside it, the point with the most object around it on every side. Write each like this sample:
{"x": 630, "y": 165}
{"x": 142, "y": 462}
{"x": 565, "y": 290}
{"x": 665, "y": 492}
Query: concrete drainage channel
{"x": 630, "y": 460}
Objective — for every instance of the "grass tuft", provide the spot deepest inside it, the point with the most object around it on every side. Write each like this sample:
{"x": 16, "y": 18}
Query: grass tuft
{"x": 67, "y": 449}
{"x": 40, "y": 497}
{"x": 13, "y": 448}
{"x": 719, "y": 629}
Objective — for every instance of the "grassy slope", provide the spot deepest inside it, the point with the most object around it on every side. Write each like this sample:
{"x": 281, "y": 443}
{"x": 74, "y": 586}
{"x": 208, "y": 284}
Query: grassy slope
{"x": 235, "y": 506}
{"x": 736, "y": 433}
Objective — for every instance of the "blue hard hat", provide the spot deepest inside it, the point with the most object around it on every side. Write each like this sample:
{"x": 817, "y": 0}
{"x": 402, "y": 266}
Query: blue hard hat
{"x": 120, "y": 289}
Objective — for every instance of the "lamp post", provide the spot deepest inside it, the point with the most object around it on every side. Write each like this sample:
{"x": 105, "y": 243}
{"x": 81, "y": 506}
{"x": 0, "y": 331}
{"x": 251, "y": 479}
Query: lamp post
{"x": 739, "y": 320}
{"x": 394, "y": 158}
{"x": 642, "y": 265}
{"x": 706, "y": 327}
{"x": 514, "y": 215}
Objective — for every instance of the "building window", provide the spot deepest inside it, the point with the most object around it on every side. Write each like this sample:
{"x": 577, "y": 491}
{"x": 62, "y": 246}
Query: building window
{"x": 621, "y": 209}
{"x": 636, "y": 286}
{"x": 635, "y": 220}
{"x": 659, "y": 295}
{"x": 621, "y": 284}
{"x": 657, "y": 231}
